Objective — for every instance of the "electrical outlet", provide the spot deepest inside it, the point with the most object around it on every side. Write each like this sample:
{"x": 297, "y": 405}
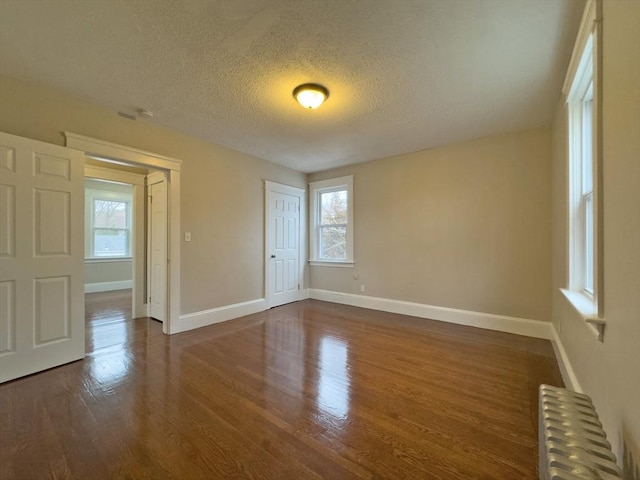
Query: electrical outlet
{"x": 362, "y": 288}
{"x": 187, "y": 236}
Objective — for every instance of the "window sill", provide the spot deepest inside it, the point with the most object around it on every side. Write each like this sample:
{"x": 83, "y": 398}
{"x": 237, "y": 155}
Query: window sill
{"x": 108, "y": 260}
{"x": 587, "y": 310}
{"x": 327, "y": 263}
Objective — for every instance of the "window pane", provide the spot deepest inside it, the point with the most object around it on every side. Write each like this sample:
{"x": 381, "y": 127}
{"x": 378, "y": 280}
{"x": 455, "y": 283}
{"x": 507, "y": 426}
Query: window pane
{"x": 587, "y": 146}
{"x": 333, "y": 208}
{"x": 110, "y": 242}
{"x": 333, "y": 243}
{"x": 109, "y": 214}
{"x": 588, "y": 244}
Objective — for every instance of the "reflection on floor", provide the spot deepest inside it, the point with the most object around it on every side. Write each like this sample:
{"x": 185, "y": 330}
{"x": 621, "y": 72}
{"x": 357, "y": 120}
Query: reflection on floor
{"x": 309, "y": 390}
{"x": 109, "y": 321}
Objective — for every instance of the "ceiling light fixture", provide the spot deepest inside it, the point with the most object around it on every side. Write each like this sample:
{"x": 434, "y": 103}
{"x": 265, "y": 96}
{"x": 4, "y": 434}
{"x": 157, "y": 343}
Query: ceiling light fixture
{"x": 310, "y": 95}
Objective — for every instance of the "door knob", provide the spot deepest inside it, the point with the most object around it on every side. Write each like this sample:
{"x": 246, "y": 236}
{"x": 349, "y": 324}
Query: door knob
{"x": 273, "y": 256}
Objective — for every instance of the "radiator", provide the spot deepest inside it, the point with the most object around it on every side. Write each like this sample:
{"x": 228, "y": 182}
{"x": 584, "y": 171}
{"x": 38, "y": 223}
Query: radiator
{"x": 573, "y": 445}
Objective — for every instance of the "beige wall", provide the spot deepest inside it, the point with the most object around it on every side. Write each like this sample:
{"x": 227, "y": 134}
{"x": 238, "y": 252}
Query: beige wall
{"x": 609, "y": 372}
{"x": 111, "y": 271}
{"x": 465, "y": 226}
{"x": 222, "y": 190}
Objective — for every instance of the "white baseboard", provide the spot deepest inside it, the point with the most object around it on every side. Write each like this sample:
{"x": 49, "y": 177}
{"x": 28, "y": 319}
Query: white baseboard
{"x": 568, "y": 374}
{"x": 107, "y": 286}
{"x": 502, "y": 323}
{"x": 190, "y": 321}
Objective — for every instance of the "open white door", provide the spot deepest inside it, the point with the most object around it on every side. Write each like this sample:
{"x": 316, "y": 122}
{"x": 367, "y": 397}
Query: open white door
{"x": 283, "y": 249}
{"x": 41, "y": 256}
{"x": 157, "y": 188}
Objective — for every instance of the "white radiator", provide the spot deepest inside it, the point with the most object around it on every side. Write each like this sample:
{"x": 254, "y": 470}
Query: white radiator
{"x": 573, "y": 445}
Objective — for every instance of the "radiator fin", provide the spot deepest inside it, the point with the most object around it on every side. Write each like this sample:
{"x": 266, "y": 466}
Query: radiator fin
{"x": 573, "y": 445}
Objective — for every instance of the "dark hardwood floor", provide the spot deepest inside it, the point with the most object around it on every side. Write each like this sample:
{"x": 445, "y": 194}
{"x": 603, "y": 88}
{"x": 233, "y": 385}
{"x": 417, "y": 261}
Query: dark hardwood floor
{"x": 308, "y": 390}
{"x": 109, "y": 321}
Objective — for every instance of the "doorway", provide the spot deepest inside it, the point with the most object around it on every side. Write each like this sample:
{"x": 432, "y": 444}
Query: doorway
{"x": 109, "y": 253}
{"x": 123, "y": 155}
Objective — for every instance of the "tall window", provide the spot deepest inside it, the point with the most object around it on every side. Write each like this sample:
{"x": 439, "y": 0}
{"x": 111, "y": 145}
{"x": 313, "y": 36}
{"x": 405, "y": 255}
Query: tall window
{"x": 581, "y": 168}
{"x": 332, "y": 221}
{"x": 110, "y": 228}
{"x": 582, "y": 108}
{"x": 108, "y": 223}
{"x": 586, "y": 194}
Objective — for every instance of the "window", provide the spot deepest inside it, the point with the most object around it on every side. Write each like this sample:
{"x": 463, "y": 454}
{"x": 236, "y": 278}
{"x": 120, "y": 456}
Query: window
{"x": 582, "y": 108}
{"x": 108, "y": 221}
{"x": 581, "y": 182}
{"x": 332, "y": 221}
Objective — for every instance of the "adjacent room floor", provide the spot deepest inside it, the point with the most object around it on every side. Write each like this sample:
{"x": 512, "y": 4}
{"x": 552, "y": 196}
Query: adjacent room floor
{"x": 308, "y": 390}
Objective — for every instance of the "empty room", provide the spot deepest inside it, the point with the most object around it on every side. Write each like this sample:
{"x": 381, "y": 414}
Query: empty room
{"x": 319, "y": 239}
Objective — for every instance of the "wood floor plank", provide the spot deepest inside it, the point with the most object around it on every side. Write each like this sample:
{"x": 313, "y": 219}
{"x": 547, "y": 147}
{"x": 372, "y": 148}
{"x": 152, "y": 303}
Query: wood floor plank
{"x": 310, "y": 390}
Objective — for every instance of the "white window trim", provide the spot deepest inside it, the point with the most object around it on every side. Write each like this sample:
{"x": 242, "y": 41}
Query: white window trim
{"x": 90, "y": 196}
{"x": 315, "y": 189}
{"x": 584, "y": 70}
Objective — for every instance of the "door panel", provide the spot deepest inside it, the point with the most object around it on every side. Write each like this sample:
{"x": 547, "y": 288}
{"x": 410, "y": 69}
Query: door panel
{"x": 41, "y": 256}
{"x": 7, "y": 316}
{"x": 283, "y": 277}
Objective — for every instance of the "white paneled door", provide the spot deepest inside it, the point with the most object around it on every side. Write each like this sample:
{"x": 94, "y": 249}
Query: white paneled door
{"x": 41, "y": 256}
{"x": 283, "y": 282}
{"x": 158, "y": 246}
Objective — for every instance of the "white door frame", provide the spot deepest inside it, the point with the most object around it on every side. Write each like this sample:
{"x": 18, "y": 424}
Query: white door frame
{"x": 112, "y": 151}
{"x": 269, "y": 189}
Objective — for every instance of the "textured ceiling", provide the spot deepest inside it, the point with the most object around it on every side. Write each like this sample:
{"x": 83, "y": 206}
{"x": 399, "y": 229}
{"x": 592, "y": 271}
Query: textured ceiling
{"x": 404, "y": 75}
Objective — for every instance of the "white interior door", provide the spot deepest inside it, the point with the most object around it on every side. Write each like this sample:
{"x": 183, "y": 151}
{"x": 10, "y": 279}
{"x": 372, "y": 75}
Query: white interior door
{"x": 158, "y": 246}
{"x": 283, "y": 279}
{"x": 41, "y": 256}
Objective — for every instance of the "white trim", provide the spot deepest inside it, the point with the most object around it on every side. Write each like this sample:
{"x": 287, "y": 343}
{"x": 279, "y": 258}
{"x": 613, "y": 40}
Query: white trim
{"x": 586, "y": 308}
{"x": 108, "y": 151}
{"x": 203, "y": 318}
{"x": 108, "y": 260}
{"x": 568, "y": 374}
{"x": 269, "y": 189}
{"x": 581, "y": 304}
{"x": 586, "y": 28}
{"x": 325, "y": 263}
{"x": 113, "y": 151}
{"x": 107, "y": 286}
{"x": 501, "y": 323}
{"x": 102, "y": 173}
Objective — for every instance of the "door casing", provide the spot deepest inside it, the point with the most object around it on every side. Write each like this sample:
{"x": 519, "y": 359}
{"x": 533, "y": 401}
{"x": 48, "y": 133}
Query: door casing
{"x": 111, "y": 151}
